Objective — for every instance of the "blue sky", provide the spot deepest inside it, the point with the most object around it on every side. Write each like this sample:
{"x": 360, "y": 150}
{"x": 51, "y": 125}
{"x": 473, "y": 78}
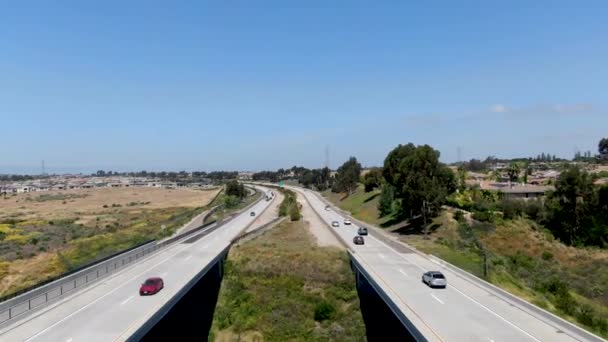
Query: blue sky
{"x": 207, "y": 85}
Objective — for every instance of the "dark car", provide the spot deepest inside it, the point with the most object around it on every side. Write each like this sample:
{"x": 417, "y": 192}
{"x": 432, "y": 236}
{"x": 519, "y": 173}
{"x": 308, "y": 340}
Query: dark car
{"x": 362, "y": 231}
{"x": 358, "y": 240}
{"x": 434, "y": 279}
{"x": 252, "y": 213}
{"x": 151, "y": 286}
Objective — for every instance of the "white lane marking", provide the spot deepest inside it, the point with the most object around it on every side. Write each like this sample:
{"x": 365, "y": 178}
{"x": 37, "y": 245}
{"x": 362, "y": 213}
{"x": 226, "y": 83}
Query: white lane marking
{"x": 437, "y": 299}
{"x": 102, "y": 297}
{"x": 491, "y": 340}
{"x": 189, "y": 257}
{"x": 435, "y": 261}
{"x": 452, "y": 287}
{"x": 69, "y": 340}
{"x": 381, "y": 255}
{"x": 402, "y": 272}
{"x": 126, "y": 300}
{"x": 164, "y": 274}
{"x": 495, "y": 314}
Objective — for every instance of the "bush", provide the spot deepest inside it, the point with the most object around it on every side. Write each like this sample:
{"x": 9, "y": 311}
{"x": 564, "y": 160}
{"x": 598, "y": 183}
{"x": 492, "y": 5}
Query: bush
{"x": 458, "y": 215}
{"x": 231, "y": 201}
{"x": 294, "y": 213}
{"x": 483, "y": 216}
{"x": 511, "y": 208}
{"x": 547, "y": 255}
{"x": 324, "y": 311}
{"x": 585, "y": 315}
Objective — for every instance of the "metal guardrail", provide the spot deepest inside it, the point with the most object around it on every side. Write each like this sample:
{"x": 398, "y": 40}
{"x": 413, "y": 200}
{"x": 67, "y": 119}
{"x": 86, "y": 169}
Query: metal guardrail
{"x": 20, "y": 305}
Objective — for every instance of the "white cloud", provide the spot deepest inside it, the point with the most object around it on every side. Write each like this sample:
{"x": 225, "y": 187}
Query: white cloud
{"x": 498, "y": 108}
{"x": 543, "y": 110}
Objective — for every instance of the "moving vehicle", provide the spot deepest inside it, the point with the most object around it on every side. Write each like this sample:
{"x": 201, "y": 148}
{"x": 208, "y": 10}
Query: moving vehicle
{"x": 252, "y": 213}
{"x": 347, "y": 222}
{"x": 434, "y": 279}
{"x": 335, "y": 224}
{"x": 362, "y": 231}
{"x": 358, "y": 240}
{"x": 151, "y": 286}
{"x": 327, "y": 207}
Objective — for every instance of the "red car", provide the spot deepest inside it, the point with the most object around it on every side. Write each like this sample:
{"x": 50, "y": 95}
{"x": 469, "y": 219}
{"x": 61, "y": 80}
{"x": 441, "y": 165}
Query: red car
{"x": 151, "y": 286}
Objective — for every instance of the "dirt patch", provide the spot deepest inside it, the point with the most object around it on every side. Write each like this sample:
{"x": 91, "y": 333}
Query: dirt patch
{"x": 69, "y": 203}
{"x": 318, "y": 228}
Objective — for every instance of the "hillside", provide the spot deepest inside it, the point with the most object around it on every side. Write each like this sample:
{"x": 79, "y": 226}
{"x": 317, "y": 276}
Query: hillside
{"x": 523, "y": 258}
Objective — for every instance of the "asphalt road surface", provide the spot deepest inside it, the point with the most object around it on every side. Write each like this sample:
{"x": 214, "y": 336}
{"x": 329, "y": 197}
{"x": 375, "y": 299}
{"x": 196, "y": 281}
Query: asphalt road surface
{"x": 464, "y": 311}
{"x": 112, "y": 309}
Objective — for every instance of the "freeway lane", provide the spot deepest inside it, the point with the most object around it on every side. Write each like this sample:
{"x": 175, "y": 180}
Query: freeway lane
{"x": 463, "y": 311}
{"x": 112, "y": 309}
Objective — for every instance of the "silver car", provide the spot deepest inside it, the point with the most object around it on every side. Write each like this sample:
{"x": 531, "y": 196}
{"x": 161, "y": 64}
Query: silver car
{"x": 335, "y": 224}
{"x": 434, "y": 279}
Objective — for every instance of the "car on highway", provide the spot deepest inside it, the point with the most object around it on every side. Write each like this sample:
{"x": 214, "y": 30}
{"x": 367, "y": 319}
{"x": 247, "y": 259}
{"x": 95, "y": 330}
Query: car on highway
{"x": 358, "y": 240}
{"x": 252, "y": 213}
{"x": 335, "y": 224}
{"x": 151, "y": 286}
{"x": 347, "y": 222}
{"x": 434, "y": 279}
{"x": 327, "y": 207}
{"x": 362, "y": 231}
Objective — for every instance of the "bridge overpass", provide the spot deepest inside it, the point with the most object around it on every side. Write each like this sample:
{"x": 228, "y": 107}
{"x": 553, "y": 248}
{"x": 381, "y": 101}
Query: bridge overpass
{"x": 112, "y": 309}
{"x": 469, "y": 309}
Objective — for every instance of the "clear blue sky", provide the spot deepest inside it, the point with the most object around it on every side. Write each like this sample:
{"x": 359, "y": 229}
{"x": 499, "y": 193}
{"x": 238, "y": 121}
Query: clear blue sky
{"x": 202, "y": 85}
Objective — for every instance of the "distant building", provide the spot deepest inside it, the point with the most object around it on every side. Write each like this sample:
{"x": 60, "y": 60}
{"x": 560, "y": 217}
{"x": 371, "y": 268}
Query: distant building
{"x": 519, "y": 191}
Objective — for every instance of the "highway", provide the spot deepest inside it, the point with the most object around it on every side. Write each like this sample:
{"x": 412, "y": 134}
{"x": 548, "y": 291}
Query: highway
{"x": 464, "y": 311}
{"x": 112, "y": 309}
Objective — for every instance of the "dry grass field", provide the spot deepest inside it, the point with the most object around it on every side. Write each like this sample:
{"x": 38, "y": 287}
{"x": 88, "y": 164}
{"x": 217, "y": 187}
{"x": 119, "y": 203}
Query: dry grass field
{"x": 45, "y": 234}
{"x": 64, "y": 203}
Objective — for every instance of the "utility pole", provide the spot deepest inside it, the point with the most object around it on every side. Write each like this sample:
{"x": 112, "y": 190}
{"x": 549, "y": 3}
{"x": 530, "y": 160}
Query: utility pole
{"x": 43, "y": 169}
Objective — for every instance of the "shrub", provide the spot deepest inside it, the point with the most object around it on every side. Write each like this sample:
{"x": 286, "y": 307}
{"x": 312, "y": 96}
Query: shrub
{"x": 585, "y": 315}
{"x": 294, "y": 213}
{"x": 458, "y": 215}
{"x": 483, "y": 216}
{"x": 547, "y": 255}
{"x": 324, "y": 311}
{"x": 105, "y": 205}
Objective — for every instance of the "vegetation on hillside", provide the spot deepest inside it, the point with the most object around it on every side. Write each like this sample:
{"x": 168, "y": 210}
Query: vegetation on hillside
{"x": 35, "y": 250}
{"x": 282, "y": 287}
{"x": 522, "y": 257}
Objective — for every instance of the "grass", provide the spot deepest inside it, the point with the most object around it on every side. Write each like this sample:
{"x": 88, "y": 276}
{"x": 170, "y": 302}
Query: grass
{"x": 37, "y": 246}
{"x": 235, "y": 205}
{"x": 362, "y": 205}
{"x": 289, "y": 205}
{"x": 528, "y": 263}
{"x": 523, "y": 258}
{"x": 282, "y": 287}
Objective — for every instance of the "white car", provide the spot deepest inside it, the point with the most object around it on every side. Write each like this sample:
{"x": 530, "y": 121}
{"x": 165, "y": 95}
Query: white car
{"x": 434, "y": 279}
{"x": 347, "y": 222}
{"x": 335, "y": 224}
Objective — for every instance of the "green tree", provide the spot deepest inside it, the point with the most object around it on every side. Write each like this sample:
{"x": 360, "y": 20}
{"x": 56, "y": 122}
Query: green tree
{"x": 236, "y": 189}
{"x": 387, "y": 198}
{"x": 348, "y": 175}
{"x": 462, "y": 177}
{"x": 602, "y": 148}
{"x": 513, "y": 171}
{"x": 372, "y": 179}
{"x": 421, "y": 182}
{"x": 571, "y": 205}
